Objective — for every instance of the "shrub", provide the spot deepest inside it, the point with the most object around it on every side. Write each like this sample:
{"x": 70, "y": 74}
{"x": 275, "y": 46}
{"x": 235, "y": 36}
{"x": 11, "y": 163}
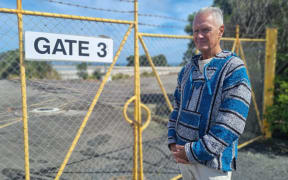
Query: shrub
{"x": 120, "y": 76}
{"x": 10, "y": 67}
{"x": 97, "y": 75}
{"x": 82, "y": 70}
{"x": 277, "y": 114}
{"x": 147, "y": 74}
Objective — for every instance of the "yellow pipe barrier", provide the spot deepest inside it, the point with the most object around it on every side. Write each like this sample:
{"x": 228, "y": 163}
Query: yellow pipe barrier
{"x": 64, "y": 16}
{"x": 243, "y": 39}
{"x": 125, "y": 109}
{"x": 252, "y": 92}
{"x": 249, "y": 142}
{"x": 191, "y": 37}
{"x": 23, "y": 91}
{"x": 177, "y": 177}
{"x": 75, "y": 141}
{"x": 165, "y": 36}
{"x": 43, "y": 102}
{"x": 252, "y": 40}
{"x": 137, "y": 173}
{"x": 269, "y": 76}
{"x": 155, "y": 72}
{"x": 145, "y": 125}
{"x": 237, "y": 40}
{"x": 10, "y": 123}
{"x": 8, "y": 120}
{"x": 234, "y": 46}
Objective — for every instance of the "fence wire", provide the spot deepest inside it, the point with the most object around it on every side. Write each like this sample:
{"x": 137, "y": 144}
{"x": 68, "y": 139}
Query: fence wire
{"x": 11, "y": 131}
{"x": 158, "y": 162}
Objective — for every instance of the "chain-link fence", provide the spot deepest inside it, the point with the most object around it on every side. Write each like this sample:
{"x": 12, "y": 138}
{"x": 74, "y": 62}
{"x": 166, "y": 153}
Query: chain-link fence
{"x": 59, "y": 95}
{"x": 252, "y": 52}
{"x": 62, "y": 96}
{"x": 158, "y": 162}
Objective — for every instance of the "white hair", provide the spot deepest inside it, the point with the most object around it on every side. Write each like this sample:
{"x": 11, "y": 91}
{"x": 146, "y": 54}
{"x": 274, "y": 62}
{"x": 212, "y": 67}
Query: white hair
{"x": 215, "y": 12}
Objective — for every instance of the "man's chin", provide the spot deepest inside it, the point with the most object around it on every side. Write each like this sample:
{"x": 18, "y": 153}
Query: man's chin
{"x": 203, "y": 49}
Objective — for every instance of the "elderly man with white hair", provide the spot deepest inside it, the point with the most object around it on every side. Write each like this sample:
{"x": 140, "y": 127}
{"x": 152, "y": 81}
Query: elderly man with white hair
{"x": 211, "y": 104}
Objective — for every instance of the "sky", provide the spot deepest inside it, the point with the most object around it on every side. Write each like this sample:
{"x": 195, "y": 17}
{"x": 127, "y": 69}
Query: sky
{"x": 179, "y": 9}
{"x": 154, "y": 16}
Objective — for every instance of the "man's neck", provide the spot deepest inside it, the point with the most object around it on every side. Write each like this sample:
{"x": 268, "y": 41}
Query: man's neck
{"x": 210, "y": 54}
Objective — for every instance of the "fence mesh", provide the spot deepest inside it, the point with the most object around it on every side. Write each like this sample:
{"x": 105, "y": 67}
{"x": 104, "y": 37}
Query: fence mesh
{"x": 58, "y": 97}
{"x": 11, "y": 131}
{"x": 255, "y": 57}
{"x": 158, "y": 162}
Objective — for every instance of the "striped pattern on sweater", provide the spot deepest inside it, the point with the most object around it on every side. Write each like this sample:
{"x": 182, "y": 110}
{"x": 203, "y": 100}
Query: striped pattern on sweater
{"x": 209, "y": 123}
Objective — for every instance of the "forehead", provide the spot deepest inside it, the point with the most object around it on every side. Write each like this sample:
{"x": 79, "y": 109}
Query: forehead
{"x": 204, "y": 20}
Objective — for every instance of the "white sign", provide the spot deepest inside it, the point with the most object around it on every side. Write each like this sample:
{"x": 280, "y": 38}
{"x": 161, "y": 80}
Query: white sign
{"x": 60, "y": 47}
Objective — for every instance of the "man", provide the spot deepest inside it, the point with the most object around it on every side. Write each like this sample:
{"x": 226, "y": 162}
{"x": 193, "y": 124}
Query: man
{"x": 211, "y": 104}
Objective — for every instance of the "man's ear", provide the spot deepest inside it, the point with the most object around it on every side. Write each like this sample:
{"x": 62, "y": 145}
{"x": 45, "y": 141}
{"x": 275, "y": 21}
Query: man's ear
{"x": 221, "y": 31}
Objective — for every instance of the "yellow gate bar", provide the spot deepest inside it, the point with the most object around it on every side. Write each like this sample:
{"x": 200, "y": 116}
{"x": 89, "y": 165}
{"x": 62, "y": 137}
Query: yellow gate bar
{"x": 65, "y": 16}
{"x": 23, "y": 91}
{"x": 234, "y": 46}
{"x": 166, "y": 36}
{"x": 252, "y": 40}
{"x": 237, "y": 41}
{"x": 270, "y": 62}
{"x": 191, "y": 37}
{"x": 156, "y": 74}
{"x": 79, "y": 132}
{"x": 137, "y": 171}
{"x": 249, "y": 142}
{"x": 252, "y": 91}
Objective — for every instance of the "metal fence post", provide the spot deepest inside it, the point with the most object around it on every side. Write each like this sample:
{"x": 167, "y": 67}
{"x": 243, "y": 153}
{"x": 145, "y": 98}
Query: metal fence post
{"x": 23, "y": 91}
{"x": 237, "y": 40}
{"x": 138, "y": 157}
{"x": 270, "y": 62}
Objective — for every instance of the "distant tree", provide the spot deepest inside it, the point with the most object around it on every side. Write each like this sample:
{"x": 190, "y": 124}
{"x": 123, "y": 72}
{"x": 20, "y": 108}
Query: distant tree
{"x": 97, "y": 74}
{"x": 159, "y": 60}
{"x": 10, "y": 67}
{"x": 82, "y": 70}
{"x": 191, "y": 46}
{"x": 142, "y": 60}
{"x": 9, "y": 64}
{"x": 130, "y": 60}
{"x": 254, "y": 17}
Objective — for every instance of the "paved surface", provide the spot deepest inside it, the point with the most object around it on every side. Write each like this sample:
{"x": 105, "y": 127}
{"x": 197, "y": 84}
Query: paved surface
{"x": 105, "y": 149}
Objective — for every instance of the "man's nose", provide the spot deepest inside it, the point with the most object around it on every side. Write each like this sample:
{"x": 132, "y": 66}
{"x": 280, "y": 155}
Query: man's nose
{"x": 200, "y": 35}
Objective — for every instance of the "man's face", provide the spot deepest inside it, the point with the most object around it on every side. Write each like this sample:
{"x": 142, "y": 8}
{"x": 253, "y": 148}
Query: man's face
{"x": 206, "y": 33}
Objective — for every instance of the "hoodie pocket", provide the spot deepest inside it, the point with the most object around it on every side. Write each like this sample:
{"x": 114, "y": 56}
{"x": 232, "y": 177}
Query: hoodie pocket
{"x": 188, "y": 125}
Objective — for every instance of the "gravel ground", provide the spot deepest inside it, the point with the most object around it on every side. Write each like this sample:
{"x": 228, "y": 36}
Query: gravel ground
{"x": 104, "y": 150}
{"x": 263, "y": 159}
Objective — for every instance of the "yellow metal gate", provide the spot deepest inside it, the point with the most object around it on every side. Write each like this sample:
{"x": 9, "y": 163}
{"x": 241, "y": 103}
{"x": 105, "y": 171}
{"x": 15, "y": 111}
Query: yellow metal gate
{"x": 58, "y": 125}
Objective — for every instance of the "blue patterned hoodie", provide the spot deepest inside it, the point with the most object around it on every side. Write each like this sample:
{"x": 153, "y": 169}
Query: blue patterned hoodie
{"x": 210, "y": 110}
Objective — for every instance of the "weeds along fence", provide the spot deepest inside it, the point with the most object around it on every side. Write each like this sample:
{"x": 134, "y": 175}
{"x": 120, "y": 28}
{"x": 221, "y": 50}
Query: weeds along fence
{"x": 98, "y": 126}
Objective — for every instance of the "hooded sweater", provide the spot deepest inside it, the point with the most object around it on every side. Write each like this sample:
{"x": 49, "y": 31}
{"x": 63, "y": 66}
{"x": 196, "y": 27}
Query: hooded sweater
{"x": 210, "y": 110}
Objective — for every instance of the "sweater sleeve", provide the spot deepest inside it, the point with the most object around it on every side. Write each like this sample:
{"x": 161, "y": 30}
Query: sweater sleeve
{"x": 230, "y": 120}
{"x": 174, "y": 114}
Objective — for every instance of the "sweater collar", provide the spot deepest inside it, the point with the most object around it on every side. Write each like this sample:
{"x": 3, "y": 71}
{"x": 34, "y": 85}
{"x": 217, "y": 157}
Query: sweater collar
{"x": 221, "y": 55}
